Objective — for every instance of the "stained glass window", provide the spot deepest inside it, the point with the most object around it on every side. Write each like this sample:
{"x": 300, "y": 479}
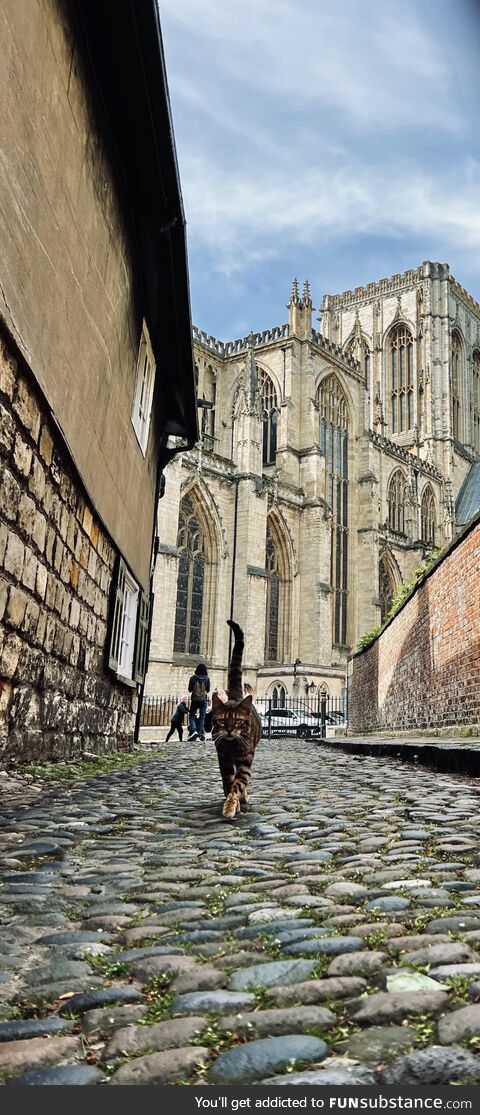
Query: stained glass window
{"x": 457, "y": 363}
{"x": 190, "y": 582}
{"x": 427, "y": 516}
{"x": 334, "y": 444}
{"x": 476, "y": 401}
{"x": 401, "y": 379}
{"x": 273, "y": 601}
{"x": 386, "y": 588}
{"x": 396, "y": 502}
{"x": 270, "y": 418}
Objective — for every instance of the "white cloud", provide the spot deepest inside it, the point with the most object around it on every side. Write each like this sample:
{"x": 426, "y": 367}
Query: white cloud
{"x": 241, "y": 219}
{"x": 374, "y": 62}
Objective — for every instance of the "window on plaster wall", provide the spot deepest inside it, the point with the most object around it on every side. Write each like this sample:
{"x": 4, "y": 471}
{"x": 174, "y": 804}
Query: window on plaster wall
{"x": 400, "y": 358}
{"x": 129, "y": 632}
{"x": 144, "y": 384}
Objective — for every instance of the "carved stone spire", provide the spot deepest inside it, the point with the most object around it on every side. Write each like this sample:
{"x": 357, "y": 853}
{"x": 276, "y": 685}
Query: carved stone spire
{"x": 307, "y": 301}
{"x": 294, "y": 297}
{"x": 300, "y": 318}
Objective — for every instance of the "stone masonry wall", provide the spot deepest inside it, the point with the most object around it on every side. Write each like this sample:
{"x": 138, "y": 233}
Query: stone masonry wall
{"x": 423, "y": 671}
{"x": 57, "y": 700}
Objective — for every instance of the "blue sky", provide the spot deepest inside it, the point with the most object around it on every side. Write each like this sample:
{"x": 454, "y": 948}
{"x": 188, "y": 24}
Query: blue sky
{"x": 334, "y": 141}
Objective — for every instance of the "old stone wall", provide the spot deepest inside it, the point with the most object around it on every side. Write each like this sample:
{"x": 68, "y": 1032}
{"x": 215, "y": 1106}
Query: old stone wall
{"x": 57, "y": 700}
{"x": 423, "y": 671}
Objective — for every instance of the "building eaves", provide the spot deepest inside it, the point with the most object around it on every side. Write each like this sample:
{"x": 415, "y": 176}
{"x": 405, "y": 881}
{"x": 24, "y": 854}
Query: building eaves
{"x": 121, "y": 44}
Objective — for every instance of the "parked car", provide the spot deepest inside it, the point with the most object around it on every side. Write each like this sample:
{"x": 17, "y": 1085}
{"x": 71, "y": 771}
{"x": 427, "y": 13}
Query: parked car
{"x": 286, "y": 722}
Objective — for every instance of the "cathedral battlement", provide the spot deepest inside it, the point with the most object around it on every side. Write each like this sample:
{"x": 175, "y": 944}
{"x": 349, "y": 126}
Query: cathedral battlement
{"x": 241, "y": 344}
{"x": 391, "y": 285}
{"x": 335, "y": 350}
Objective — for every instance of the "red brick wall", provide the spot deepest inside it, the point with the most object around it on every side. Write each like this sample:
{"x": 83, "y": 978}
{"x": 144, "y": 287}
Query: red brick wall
{"x": 423, "y": 671}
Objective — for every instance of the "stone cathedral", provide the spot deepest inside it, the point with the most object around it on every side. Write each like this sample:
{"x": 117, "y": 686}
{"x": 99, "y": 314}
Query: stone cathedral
{"x": 330, "y": 464}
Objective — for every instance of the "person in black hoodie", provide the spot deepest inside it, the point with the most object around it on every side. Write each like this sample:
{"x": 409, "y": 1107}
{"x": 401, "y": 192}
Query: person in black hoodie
{"x": 199, "y": 687}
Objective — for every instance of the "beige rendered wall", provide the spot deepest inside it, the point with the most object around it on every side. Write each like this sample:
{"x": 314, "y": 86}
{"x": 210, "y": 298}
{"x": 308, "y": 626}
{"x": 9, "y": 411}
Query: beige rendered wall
{"x": 66, "y": 269}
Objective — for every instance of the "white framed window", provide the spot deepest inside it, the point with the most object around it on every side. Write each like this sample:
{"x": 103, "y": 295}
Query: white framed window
{"x": 128, "y": 648}
{"x": 128, "y": 625}
{"x": 142, "y": 403}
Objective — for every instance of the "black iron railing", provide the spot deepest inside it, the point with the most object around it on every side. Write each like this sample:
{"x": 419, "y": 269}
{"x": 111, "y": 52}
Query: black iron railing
{"x": 300, "y": 717}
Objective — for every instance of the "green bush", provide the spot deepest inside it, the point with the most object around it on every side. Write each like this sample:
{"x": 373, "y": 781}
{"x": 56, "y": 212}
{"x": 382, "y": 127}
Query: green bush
{"x": 400, "y": 596}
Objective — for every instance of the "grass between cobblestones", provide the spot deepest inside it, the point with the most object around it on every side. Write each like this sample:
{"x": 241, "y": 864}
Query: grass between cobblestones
{"x": 87, "y": 768}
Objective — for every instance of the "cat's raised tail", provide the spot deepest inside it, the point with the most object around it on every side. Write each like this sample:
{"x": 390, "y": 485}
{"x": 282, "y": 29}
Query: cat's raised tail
{"x": 234, "y": 687}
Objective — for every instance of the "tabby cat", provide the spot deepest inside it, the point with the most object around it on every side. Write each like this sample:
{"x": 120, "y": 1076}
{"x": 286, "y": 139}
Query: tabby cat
{"x": 236, "y": 730}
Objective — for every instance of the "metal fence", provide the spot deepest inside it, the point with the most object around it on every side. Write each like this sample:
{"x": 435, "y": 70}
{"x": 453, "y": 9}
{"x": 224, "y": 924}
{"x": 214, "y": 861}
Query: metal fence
{"x": 301, "y": 717}
{"x": 157, "y": 712}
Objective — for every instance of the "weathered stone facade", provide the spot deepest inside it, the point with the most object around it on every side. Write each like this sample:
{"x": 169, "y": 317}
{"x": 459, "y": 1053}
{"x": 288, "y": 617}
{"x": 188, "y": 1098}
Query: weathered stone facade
{"x": 241, "y": 499}
{"x": 423, "y": 671}
{"x": 96, "y": 369}
{"x": 57, "y": 700}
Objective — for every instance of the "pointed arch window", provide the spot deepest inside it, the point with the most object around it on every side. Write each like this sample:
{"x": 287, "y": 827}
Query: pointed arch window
{"x": 190, "y": 582}
{"x": 396, "y": 502}
{"x": 279, "y": 696}
{"x": 334, "y": 425}
{"x": 457, "y": 370}
{"x": 476, "y": 400}
{"x": 208, "y": 411}
{"x": 360, "y": 349}
{"x": 270, "y": 418}
{"x": 400, "y": 354}
{"x": 427, "y": 517}
{"x": 386, "y": 588}
{"x": 272, "y": 626}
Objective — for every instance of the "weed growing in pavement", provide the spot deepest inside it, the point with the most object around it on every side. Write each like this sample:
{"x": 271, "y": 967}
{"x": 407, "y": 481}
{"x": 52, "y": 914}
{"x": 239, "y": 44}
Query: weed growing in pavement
{"x": 459, "y": 987}
{"x": 262, "y": 998}
{"x": 472, "y": 1043}
{"x": 376, "y": 940}
{"x": 270, "y": 945}
{"x": 322, "y": 964}
{"x": 425, "y": 1028}
{"x": 340, "y": 1033}
{"x": 109, "y": 969}
{"x": 420, "y": 921}
{"x": 159, "y": 998}
{"x": 214, "y": 1041}
{"x": 86, "y": 768}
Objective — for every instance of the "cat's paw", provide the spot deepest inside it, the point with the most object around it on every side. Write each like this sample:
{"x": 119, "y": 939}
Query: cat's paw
{"x": 231, "y": 807}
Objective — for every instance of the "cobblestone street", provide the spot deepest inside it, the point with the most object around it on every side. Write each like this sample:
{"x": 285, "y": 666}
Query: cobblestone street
{"x": 330, "y": 936}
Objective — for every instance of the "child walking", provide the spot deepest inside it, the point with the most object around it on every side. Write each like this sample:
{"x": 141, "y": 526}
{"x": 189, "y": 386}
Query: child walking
{"x": 176, "y": 723}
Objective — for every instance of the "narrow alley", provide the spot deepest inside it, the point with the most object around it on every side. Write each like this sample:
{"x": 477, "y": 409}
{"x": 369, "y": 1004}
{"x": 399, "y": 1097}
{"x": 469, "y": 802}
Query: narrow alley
{"x": 328, "y": 937}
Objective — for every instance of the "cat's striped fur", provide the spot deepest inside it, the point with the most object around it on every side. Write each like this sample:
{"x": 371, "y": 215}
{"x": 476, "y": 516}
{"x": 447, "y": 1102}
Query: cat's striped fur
{"x": 236, "y": 730}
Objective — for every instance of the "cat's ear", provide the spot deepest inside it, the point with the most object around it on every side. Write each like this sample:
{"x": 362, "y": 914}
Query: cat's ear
{"x": 246, "y": 703}
{"x": 217, "y": 704}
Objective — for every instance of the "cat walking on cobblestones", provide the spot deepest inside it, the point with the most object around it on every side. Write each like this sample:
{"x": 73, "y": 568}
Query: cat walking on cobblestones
{"x": 236, "y": 731}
